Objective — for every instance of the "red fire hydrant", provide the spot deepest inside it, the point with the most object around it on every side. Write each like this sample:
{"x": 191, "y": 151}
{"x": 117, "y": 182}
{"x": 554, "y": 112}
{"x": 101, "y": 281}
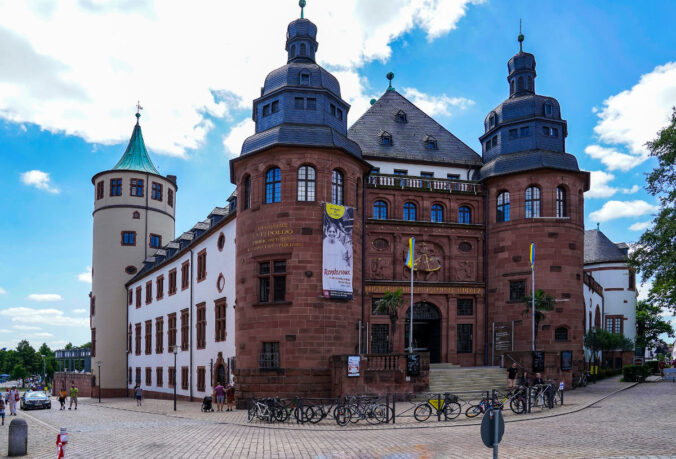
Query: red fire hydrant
{"x": 61, "y": 442}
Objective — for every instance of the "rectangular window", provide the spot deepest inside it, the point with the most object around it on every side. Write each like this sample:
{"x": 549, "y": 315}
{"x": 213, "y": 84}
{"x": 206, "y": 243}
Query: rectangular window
{"x": 374, "y": 307}
{"x": 614, "y": 324}
{"x": 555, "y": 132}
{"x": 138, "y": 297}
{"x": 220, "y": 308}
{"x": 332, "y": 109}
{"x": 464, "y": 338}
{"x": 185, "y": 275}
{"x": 138, "y": 375}
{"x": 170, "y": 197}
{"x": 494, "y": 141}
{"x": 93, "y": 350}
{"x": 92, "y": 306}
{"x": 266, "y": 110}
{"x": 427, "y": 174}
{"x": 159, "y": 372}
{"x": 149, "y": 337}
{"x": 545, "y": 130}
{"x": 159, "y": 335}
{"x": 149, "y": 292}
{"x": 155, "y": 241}
{"x": 184, "y": 378}
{"x": 400, "y": 172}
{"x": 298, "y": 103}
{"x": 149, "y": 376}
{"x": 275, "y": 106}
{"x": 136, "y": 187}
{"x": 157, "y": 192}
{"x": 517, "y": 290}
{"x": 465, "y": 306}
{"x": 201, "y": 379}
{"x": 129, "y": 376}
{"x": 129, "y": 348}
{"x": 269, "y": 358}
{"x": 160, "y": 287}
{"x": 311, "y": 103}
{"x": 172, "y": 377}
{"x": 275, "y": 279}
{"x": 172, "y": 281}
{"x": 130, "y": 296}
{"x": 137, "y": 347}
{"x": 513, "y": 133}
{"x": 632, "y": 280}
{"x": 171, "y": 332}
{"x": 379, "y": 338}
{"x": 453, "y": 176}
{"x": 201, "y": 325}
{"x": 128, "y": 237}
{"x": 525, "y": 131}
{"x": 116, "y": 187}
{"x": 99, "y": 190}
{"x": 185, "y": 330}
{"x": 339, "y": 114}
{"x": 488, "y": 145}
{"x": 202, "y": 265}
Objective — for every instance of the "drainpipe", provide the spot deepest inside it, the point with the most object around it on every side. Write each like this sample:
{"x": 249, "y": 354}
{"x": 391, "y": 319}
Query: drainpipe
{"x": 126, "y": 338}
{"x": 191, "y": 331}
{"x": 363, "y": 256}
{"x": 145, "y": 236}
{"x": 485, "y": 263}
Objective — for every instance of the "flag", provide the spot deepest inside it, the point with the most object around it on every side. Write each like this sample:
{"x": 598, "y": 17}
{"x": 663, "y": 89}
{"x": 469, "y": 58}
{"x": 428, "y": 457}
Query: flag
{"x": 532, "y": 255}
{"x": 410, "y": 258}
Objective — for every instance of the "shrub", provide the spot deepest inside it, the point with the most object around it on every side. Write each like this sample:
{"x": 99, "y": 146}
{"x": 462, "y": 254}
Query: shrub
{"x": 653, "y": 366}
{"x": 635, "y": 372}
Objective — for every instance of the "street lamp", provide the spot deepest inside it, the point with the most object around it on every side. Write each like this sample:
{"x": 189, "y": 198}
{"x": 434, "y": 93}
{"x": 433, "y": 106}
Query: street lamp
{"x": 176, "y": 349}
{"x": 44, "y": 369}
{"x": 98, "y": 364}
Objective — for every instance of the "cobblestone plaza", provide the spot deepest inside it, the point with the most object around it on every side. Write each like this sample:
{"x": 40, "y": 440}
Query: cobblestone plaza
{"x": 608, "y": 419}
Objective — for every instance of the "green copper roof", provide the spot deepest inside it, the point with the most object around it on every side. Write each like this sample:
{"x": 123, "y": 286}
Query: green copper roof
{"x": 136, "y": 157}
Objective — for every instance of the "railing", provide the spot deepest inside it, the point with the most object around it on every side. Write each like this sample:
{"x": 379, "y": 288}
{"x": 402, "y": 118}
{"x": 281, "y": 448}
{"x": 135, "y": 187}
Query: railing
{"x": 268, "y": 360}
{"x": 384, "y": 362}
{"x": 438, "y": 185}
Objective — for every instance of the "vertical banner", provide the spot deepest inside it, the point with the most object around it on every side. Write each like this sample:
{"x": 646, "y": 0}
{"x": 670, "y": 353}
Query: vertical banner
{"x": 337, "y": 252}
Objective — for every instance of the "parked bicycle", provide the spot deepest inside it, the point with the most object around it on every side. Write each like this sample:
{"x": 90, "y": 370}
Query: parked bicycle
{"x": 357, "y": 408}
{"x": 448, "y": 406}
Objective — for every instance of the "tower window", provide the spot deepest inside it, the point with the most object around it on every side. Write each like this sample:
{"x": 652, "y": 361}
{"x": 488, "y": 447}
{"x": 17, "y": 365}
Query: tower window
{"x": 532, "y": 202}
{"x": 511, "y": 87}
{"x": 116, "y": 187}
{"x": 530, "y": 83}
{"x": 247, "y": 193}
{"x": 561, "y": 202}
{"x": 128, "y": 237}
{"x": 548, "y": 109}
{"x": 464, "y": 215}
{"x": 170, "y": 197}
{"x": 303, "y": 49}
{"x": 337, "y": 191}
{"x": 272, "y": 284}
{"x": 491, "y": 121}
{"x": 503, "y": 207}
{"x": 545, "y": 130}
{"x": 275, "y": 106}
{"x": 520, "y": 84}
{"x": 513, "y": 133}
{"x": 311, "y": 103}
{"x": 494, "y": 141}
{"x": 339, "y": 114}
{"x": 298, "y": 103}
{"x": 304, "y": 79}
{"x": 155, "y": 241}
{"x": 517, "y": 290}
{"x": 555, "y": 132}
{"x": 561, "y": 334}
{"x": 157, "y": 191}
{"x": 386, "y": 139}
{"x": 273, "y": 186}
{"x": 266, "y": 110}
{"x": 409, "y": 211}
{"x": 437, "y": 213}
{"x": 401, "y": 117}
{"x": 293, "y": 50}
{"x": 136, "y": 187}
{"x": 99, "y": 190}
{"x": 332, "y": 110}
{"x": 306, "y": 183}
{"x": 488, "y": 145}
{"x": 525, "y": 131}
{"x": 380, "y": 210}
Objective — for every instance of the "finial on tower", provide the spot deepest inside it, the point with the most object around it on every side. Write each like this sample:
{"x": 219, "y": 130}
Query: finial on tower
{"x": 138, "y": 110}
{"x": 390, "y": 76}
{"x": 598, "y": 226}
{"x": 520, "y": 38}
{"x": 301, "y": 3}
{"x": 373, "y": 101}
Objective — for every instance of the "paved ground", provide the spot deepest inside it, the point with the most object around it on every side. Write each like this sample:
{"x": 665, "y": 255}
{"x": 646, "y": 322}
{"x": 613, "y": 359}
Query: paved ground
{"x": 633, "y": 422}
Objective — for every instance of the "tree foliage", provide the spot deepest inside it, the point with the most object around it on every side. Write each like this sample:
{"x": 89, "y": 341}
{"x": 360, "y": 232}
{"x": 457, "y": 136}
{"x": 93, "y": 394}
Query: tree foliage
{"x": 655, "y": 254}
{"x": 390, "y": 304}
{"x": 650, "y": 325}
{"x": 598, "y": 339}
{"x": 543, "y": 304}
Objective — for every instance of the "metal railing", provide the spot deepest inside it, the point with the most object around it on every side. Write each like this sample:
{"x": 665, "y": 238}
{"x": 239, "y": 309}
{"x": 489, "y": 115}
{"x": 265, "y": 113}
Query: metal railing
{"x": 425, "y": 184}
{"x": 268, "y": 360}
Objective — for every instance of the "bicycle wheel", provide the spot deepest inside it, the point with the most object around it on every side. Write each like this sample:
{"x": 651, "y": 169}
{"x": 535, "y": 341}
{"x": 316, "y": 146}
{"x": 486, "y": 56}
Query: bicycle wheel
{"x": 251, "y": 414}
{"x": 452, "y": 410}
{"x": 377, "y": 414}
{"x": 342, "y": 415}
{"x": 422, "y": 412}
{"x": 518, "y": 405}
{"x": 281, "y": 413}
{"x": 473, "y": 411}
{"x": 312, "y": 415}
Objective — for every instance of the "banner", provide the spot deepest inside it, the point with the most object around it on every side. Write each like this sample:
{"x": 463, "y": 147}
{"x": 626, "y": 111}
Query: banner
{"x": 337, "y": 252}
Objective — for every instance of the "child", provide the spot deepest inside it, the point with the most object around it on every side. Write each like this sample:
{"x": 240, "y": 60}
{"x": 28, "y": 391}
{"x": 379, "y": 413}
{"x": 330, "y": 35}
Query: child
{"x": 62, "y": 398}
{"x": 139, "y": 394}
{"x": 2, "y": 409}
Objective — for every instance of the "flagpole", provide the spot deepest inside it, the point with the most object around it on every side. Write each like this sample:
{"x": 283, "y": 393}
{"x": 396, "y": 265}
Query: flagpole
{"x": 532, "y": 293}
{"x": 410, "y": 332}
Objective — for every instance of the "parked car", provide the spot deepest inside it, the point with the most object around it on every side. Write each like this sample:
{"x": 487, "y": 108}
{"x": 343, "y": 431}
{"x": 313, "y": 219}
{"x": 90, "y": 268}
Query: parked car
{"x": 35, "y": 399}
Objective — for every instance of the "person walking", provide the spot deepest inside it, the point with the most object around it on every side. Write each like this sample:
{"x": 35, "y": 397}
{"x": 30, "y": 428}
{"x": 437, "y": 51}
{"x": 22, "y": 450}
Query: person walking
{"x": 62, "y": 398}
{"x": 13, "y": 398}
{"x": 219, "y": 395}
{"x": 73, "y": 395}
{"x": 2, "y": 409}
{"x": 138, "y": 392}
{"x": 230, "y": 395}
{"x": 524, "y": 381}
{"x": 511, "y": 375}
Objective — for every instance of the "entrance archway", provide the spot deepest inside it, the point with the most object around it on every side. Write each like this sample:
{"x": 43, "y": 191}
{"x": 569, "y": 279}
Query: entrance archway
{"x": 426, "y": 329}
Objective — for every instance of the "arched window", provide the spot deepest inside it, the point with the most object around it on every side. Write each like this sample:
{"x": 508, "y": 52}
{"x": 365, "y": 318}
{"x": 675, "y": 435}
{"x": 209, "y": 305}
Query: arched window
{"x": 561, "y": 334}
{"x": 273, "y": 186}
{"x": 511, "y": 87}
{"x": 561, "y": 202}
{"x": 589, "y": 325}
{"x": 304, "y": 79}
{"x": 437, "y": 213}
{"x": 548, "y": 109}
{"x": 303, "y": 49}
{"x": 337, "y": 187}
{"x": 136, "y": 215}
{"x": 503, "y": 207}
{"x": 293, "y": 50}
{"x": 530, "y": 83}
{"x": 532, "y": 202}
{"x": 386, "y": 138}
{"x": 465, "y": 215}
{"x": 520, "y": 84}
{"x": 306, "y": 183}
{"x": 409, "y": 211}
{"x": 246, "y": 202}
{"x": 597, "y": 317}
{"x": 380, "y": 210}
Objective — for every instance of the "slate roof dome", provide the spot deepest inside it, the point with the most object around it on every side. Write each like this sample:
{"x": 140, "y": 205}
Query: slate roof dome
{"x": 289, "y": 75}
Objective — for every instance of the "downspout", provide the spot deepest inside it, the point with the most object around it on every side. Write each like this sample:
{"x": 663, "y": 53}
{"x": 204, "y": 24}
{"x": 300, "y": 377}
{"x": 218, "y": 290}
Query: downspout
{"x": 126, "y": 338}
{"x": 363, "y": 256}
{"x": 145, "y": 236}
{"x": 485, "y": 262}
{"x": 191, "y": 331}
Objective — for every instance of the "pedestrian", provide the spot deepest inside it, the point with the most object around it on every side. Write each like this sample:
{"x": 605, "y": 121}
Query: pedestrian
{"x": 2, "y": 409}
{"x": 538, "y": 379}
{"x": 13, "y": 398}
{"x": 230, "y": 395}
{"x": 219, "y": 395}
{"x": 73, "y": 395}
{"x": 511, "y": 375}
{"x": 524, "y": 381}
{"x": 138, "y": 392}
{"x": 62, "y": 398}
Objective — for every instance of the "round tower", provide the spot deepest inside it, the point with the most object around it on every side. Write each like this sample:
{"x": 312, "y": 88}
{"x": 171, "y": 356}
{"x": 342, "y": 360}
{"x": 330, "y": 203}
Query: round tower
{"x": 534, "y": 194}
{"x": 298, "y": 162}
{"x": 134, "y": 209}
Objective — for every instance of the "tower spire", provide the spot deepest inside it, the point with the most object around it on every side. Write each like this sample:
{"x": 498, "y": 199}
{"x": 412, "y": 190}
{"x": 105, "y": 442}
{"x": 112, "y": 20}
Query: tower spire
{"x": 390, "y": 76}
{"x": 520, "y": 38}
{"x": 301, "y": 3}
{"x": 138, "y": 110}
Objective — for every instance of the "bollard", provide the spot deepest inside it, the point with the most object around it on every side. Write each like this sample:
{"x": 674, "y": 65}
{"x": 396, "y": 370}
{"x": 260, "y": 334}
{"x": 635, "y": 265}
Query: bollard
{"x": 18, "y": 438}
{"x": 61, "y": 442}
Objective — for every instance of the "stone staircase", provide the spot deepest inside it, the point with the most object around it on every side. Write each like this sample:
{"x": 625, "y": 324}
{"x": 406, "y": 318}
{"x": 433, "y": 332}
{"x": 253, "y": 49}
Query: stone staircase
{"x": 447, "y": 377}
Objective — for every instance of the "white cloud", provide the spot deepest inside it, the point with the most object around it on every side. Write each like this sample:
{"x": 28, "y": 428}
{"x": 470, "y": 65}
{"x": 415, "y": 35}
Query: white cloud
{"x": 41, "y": 335}
{"x": 88, "y": 88}
{"x": 620, "y": 209}
{"x": 600, "y": 187}
{"x": 232, "y": 142}
{"x": 52, "y": 317}
{"x": 25, "y": 327}
{"x": 79, "y": 311}
{"x": 640, "y": 226}
{"x": 38, "y": 179}
{"x": 436, "y": 105}
{"x": 644, "y": 290}
{"x": 44, "y": 297}
{"x": 4, "y": 330}
{"x": 86, "y": 275}
{"x": 632, "y": 190}
{"x": 2, "y": 291}
{"x": 633, "y": 117}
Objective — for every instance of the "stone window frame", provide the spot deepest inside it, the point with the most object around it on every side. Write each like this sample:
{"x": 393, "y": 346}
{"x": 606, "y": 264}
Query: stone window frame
{"x": 185, "y": 329}
{"x": 532, "y": 201}
{"x": 136, "y": 187}
{"x": 99, "y": 190}
{"x": 464, "y": 344}
{"x": 170, "y": 197}
{"x": 159, "y": 376}
{"x": 220, "y": 242}
{"x": 172, "y": 276}
{"x": 201, "y": 379}
{"x": 129, "y": 377}
{"x": 130, "y": 347}
{"x": 465, "y": 214}
{"x": 465, "y": 310}
{"x": 138, "y": 375}
{"x": 437, "y": 212}
{"x": 562, "y": 333}
{"x": 115, "y": 187}
{"x": 378, "y": 215}
{"x": 201, "y": 325}
{"x": 246, "y": 185}
{"x": 304, "y": 183}
{"x": 172, "y": 331}
{"x": 171, "y": 377}
{"x": 149, "y": 292}
{"x": 148, "y": 337}
{"x": 159, "y": 335}
{"x": 502, "y": 202}
{"x": 137, "y": 340}
{"x": 185, "y": 275}
{"x": 159, "y": 287}
{"x": 149, "y": 376}
{"x": 185, "y": 377}
{"x": 407, "y": 208}
{"x": 270, "y": 356}
{"x": 220, "y": 320}
{"x": 561, "y": 202}
{"x": 273, "y": 185}
{"x": 268, "y": 277}
{"x": 202, "y": 265}
{"x": 616, "y": 322}
{"x": 138, "y": 296}
{"x": 517, "y": 290}
{"x": 93, "y": 341}
{"x": 128, "y": 238}
{"x": 156, "y": 191}
{"x": 337, "y": 187}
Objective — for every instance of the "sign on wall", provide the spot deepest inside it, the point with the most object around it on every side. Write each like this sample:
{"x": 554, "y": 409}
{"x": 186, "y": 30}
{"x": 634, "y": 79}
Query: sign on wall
{"x": 337, "y": 252}
{"x": 566, "y": 360}
{"x": 353, "y": 362}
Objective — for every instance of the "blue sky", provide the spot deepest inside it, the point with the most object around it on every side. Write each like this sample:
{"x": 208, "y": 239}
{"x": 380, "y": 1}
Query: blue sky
{"x": 71, "y": 73}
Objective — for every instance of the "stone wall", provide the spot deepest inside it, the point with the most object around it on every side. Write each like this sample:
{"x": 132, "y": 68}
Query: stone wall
{"x": 83, "y": 381}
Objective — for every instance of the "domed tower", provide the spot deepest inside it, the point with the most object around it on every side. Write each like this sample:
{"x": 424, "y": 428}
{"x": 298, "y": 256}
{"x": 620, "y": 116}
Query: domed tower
{"x": 534, "y": 194}
{"x": 134, "y": 209}
{"x": 298, "y": 161}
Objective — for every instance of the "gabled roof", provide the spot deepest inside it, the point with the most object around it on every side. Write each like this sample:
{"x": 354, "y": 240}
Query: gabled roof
{"x": 136, "y": 157}
{"x": 599, "y": 249}
{"x": 408, "y": 139}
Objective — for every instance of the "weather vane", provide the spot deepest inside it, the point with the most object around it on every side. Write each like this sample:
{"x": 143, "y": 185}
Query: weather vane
{"x": 520, "y": 38}
{"x": 301, "y": 3}
{"x": 138, "y": 110}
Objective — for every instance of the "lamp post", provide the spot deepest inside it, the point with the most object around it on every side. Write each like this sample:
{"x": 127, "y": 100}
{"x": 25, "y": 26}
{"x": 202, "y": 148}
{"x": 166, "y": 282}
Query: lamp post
{"x": 44, "y": 369}
{"x": 176, "y": 349}
{"x": 98, "y": 364}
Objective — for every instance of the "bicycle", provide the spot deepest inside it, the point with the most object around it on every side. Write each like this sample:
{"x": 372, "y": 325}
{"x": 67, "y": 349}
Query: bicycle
{"x": 516, "y": 398}
{"x": 581, "y": 381}
{"x": 261, "y": 410}
{"x": 357, "y": 408}
{"x": 448, "y": 405}
{"x": 481, "y": 407}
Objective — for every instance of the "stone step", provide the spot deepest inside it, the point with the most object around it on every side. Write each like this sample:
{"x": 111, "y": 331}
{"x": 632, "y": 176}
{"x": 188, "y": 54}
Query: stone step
{"x": 448, "y": 378}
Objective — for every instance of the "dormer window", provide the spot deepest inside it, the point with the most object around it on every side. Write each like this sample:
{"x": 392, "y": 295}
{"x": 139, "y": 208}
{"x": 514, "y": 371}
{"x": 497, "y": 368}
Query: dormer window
{"x": 491, "y": 121}
{"x": 275, "y": 106}
{"x": 304, "y": 79}
{"x": 303, "y": 49}
{"x": 431, "y": 143}
{"x": 385, "y": 138}
{"x": 401, "y": 117}
{"x": 548, "y": 109}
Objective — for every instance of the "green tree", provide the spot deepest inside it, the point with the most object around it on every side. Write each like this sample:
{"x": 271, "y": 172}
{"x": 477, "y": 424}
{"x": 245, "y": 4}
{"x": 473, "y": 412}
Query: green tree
{"x": 87, "y": 345}
{"x": 598, "y": 339}
{"x": 390, "y": 304}
{"x": 650, "y": 325}
{"x": 30, "y": 359}
{"x": 19, "y": 372}
{"x": 654, "y": 254}
{"x": 543, "y": 304}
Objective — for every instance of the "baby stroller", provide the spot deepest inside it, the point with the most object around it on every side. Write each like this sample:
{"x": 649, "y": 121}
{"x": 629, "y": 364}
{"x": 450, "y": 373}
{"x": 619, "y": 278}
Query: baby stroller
{"x": 206, "y": 404}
